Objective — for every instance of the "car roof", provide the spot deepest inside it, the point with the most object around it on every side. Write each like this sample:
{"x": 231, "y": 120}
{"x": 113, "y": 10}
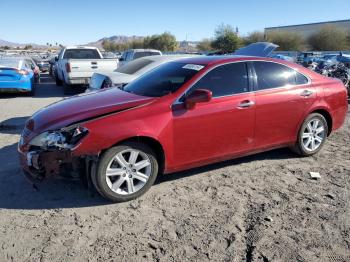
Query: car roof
{"x": 161, "y": 58}
{"x": 209, "y": 60}
{"x": 80, "y": 47}
{"x": 144, "y": 50}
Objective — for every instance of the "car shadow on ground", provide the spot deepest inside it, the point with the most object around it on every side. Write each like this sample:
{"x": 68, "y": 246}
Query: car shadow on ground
{"x": 13, "y": 125}
{"x": 283, "y": 153}
{"x": 53, "y": 193}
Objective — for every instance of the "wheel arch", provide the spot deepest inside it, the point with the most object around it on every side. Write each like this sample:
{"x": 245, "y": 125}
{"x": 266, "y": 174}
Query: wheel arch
{"x": 325, "y": 113}
{"x": 153, "y": 143}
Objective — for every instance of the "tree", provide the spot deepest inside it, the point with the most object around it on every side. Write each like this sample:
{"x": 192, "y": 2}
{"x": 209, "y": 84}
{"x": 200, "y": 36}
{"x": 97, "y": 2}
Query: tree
{"x": 164, "y": 42}
{"x": 28, "y": 47}
{"x": 106, "y": 45}
{"x": 226, "y": 39}
{"x": 205, "y": 45}
{"x": 287, "y": 41}
{"x": 254, "y": 37}
{"x": 329, "y": 38}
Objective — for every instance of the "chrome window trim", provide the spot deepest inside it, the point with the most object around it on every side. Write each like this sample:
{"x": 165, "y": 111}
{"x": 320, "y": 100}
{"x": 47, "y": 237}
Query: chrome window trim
{"x": 177, "y": 101}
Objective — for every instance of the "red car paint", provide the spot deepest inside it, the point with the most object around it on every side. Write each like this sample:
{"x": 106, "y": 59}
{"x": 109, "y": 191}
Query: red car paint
{"x": 210, "y": 132}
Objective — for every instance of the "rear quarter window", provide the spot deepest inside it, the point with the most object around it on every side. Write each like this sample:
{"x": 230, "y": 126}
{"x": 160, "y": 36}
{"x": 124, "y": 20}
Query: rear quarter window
{"x": 300, "y": 79}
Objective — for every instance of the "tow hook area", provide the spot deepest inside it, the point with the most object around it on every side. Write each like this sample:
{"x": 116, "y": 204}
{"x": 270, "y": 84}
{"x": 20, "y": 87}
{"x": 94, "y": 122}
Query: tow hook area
{"x": 45, "y": 163}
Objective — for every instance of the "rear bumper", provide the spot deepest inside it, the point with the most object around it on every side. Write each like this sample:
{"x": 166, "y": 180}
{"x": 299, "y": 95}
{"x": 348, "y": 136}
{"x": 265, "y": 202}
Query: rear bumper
{"x": 78, "y": 81}
{"x": 14, "y": 90}
{"x": 15, "y": 86}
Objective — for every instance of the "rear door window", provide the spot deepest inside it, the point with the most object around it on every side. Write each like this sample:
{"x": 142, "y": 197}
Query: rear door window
{"x": 225, "y": 80}
{"x": 273, "y": 75}
{"x": 141, "y": 54}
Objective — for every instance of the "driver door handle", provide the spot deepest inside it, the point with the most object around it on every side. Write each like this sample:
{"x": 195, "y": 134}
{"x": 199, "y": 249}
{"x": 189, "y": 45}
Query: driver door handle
{"x": 306, "y": 93}
{"x": 246, "y": 104}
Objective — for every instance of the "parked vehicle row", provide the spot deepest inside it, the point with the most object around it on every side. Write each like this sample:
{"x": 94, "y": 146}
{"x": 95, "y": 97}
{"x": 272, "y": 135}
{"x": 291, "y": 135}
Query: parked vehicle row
{"x": 182, "y": 114}
{"x": 332, "y": 65}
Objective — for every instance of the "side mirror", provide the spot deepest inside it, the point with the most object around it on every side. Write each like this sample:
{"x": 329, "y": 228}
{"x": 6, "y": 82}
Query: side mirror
{"x": 56, "y": 58}
{"x": 198, "y": 96}
{"x": 121, "y": 59}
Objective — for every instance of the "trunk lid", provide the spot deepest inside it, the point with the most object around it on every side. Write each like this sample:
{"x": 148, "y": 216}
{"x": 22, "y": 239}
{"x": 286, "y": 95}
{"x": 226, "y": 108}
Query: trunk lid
{"x": 9, "y": 74}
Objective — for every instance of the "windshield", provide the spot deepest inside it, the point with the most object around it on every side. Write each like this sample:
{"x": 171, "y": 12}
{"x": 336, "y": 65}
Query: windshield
{"x": 163, "y": 80}
{"x": 133, "y": 66}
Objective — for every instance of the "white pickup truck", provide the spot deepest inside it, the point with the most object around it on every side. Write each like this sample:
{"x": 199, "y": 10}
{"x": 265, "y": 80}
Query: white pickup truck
{"x": 75, "y": 65}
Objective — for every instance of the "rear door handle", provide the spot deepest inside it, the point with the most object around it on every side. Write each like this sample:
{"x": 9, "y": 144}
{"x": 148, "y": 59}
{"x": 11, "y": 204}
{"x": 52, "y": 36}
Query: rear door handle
{"x": 306, "y": 93}
{"x": 246, "y": 104}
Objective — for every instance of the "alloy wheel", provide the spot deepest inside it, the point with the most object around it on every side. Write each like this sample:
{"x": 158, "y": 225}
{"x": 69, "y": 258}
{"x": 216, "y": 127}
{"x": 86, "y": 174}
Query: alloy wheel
{"x": 313, "y": 135}
{"x": 128, "y": 171}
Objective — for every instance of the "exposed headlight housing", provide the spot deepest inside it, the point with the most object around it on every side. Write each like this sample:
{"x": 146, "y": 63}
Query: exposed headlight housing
{"x": 63, "y": 139}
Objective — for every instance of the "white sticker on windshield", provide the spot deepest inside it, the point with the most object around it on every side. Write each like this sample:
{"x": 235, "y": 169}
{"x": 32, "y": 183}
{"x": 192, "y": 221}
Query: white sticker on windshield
{"x": 193, "y": 67}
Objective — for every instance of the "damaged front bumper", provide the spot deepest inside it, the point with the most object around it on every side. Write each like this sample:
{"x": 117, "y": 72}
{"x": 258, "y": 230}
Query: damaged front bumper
{"x": 51, "y": 153}
{"x": 39, "y": 164}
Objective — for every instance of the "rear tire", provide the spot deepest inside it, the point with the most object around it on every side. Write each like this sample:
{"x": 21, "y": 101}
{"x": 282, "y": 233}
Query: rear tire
{"x": 125, "y": 172}
{"x": 57, "y": 80}
{"x": 312, "y": 135}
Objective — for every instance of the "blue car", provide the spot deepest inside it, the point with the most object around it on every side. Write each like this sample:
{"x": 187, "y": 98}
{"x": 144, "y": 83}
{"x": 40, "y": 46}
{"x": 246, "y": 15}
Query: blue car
{"x": 16, "y": 75}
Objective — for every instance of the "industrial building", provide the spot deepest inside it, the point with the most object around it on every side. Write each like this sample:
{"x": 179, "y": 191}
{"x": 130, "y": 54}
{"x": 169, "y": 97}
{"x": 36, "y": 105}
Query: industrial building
{"x": 308, "y": 29}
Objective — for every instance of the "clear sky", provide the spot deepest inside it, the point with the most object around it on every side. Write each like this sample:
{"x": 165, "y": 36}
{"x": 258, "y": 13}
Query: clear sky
{"x": 83, "y": 21}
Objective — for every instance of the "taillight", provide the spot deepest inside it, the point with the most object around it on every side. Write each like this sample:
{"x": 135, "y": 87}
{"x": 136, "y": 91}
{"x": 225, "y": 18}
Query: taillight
{"x": 68, "y": 68}
{"x": 23, "y": 72}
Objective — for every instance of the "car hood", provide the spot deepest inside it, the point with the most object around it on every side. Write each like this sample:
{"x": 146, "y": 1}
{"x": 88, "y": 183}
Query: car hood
{"x": 261, "y": 49}
{"x": 84, "y": 107}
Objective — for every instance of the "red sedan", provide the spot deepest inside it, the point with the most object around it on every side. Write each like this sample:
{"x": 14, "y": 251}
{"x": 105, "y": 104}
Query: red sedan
{"x": 183, "y": 114}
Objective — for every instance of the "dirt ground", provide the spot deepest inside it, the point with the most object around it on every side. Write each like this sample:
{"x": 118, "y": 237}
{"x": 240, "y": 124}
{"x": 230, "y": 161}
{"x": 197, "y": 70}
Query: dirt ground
{"x": 259, "y": 208}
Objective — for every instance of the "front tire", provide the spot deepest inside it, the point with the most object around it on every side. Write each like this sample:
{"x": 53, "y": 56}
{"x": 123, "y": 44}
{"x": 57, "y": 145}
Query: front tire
{"x": 312, "y": 135}
{"x": 125, "y": 172}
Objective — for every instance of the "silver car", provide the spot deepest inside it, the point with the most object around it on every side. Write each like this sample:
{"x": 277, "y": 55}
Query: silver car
{"x": 127, "y": 73}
